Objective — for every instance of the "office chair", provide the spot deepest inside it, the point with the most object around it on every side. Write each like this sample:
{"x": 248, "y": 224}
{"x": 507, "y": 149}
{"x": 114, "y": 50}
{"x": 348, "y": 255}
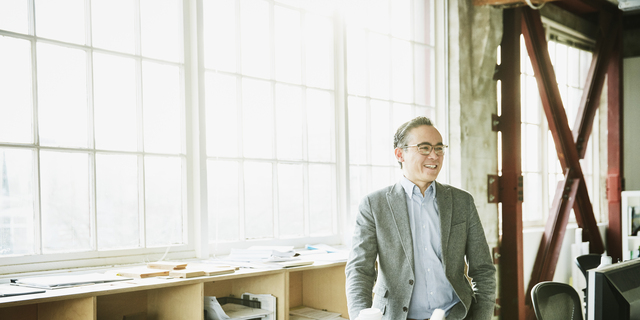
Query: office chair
{"x": 556, "y": 301}
{"x": 588, "y": 261}
{"x": 584, "y": 263}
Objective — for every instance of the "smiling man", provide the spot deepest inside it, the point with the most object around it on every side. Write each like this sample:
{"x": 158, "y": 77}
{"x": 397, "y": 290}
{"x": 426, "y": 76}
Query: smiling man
{"x": 423, "y": 235}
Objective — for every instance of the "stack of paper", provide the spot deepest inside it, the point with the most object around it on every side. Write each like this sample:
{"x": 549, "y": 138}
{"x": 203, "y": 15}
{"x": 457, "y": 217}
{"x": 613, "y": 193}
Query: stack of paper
{"x": 263, "y": 253}
{"x": 57, "y": 282}
{"x": 306, "y": 313}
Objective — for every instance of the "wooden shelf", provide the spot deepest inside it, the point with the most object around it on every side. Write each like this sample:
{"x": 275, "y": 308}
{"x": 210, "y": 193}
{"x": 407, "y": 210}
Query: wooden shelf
{"x": 320, "y": 286}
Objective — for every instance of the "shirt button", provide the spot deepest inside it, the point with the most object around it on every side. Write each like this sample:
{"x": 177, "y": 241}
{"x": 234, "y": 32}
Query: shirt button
{"x": 411, "y": 282}
{"x": 404, "y": 309}
{"x": 429, "y": 270}
{"x": 431, "y": 293}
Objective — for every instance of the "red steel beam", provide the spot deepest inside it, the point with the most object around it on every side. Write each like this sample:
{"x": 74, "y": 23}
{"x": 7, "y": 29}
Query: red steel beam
{"x": 551, "y": 242}
{"x": 512, "y": 294}
{"x": 595, "y": 81}
{"x": 546, "y": 260}
{"x": 614, "y": 146}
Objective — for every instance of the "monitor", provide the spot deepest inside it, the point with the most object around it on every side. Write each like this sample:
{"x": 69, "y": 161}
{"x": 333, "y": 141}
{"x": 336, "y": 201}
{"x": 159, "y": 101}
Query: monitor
{"x": 613, "y": 291}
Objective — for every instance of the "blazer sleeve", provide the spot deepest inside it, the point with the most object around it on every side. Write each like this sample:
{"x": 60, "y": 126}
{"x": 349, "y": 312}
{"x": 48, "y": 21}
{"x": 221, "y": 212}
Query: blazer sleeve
{"x": 481, "y": 268}
{"x": 360, "y": 269}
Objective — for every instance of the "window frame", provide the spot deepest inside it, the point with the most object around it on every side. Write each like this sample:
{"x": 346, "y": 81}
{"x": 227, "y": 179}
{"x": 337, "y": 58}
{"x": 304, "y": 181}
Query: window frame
{"x": 194, "y": 158}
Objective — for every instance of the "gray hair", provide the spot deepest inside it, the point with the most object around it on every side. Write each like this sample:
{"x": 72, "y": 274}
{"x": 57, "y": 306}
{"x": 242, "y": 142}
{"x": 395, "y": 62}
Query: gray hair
{"x": 401, "y": 136}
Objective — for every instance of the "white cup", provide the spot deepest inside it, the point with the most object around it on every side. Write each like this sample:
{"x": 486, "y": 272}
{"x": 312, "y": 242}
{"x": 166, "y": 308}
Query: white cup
{"x": 370, "y": 314}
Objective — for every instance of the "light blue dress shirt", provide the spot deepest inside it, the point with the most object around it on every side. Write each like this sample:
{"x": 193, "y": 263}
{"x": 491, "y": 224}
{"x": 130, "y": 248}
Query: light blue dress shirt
{"x": 431, "y": 289}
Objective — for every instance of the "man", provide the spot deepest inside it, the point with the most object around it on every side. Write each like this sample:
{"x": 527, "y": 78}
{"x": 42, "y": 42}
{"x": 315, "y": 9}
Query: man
{"x": 421, "y": 232}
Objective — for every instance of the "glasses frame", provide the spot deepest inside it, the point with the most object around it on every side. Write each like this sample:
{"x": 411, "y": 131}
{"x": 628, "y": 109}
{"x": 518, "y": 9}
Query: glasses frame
{"x": 444, "y": 146}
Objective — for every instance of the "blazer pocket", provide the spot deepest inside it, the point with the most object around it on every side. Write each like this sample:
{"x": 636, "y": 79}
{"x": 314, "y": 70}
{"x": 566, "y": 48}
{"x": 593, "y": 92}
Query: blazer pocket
{"x": 380, "y": 297}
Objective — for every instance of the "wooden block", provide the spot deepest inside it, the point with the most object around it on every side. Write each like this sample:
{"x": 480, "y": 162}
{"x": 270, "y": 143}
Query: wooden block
{"x": 142, "y": 272}
{"x": 186, "y": 273}
{"x": 167, "y": 265}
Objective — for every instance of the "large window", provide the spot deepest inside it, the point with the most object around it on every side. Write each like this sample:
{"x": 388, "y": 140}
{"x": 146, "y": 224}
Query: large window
{"x": 126, "y": 124}
{"x": 541, "y": 168}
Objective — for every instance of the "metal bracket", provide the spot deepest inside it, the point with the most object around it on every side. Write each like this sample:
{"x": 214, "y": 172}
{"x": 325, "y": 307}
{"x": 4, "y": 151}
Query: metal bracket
{"x": 495, "y": 123}
{"x": 495, "y": 251}
{"x": 493, "y": 188}
{"x": 520, "y": 188}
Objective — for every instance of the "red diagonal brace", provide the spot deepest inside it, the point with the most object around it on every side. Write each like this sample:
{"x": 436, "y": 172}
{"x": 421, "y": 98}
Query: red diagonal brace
{"x": 595, "y": 81}
{"x": 551, "y": 242}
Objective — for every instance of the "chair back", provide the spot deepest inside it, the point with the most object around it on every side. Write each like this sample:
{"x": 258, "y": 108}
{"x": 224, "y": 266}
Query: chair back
{"x": 556, "y": 301}
{"x": 588, "y": 261}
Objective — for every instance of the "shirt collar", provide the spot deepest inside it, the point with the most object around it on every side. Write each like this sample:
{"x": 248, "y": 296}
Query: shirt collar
{"x": 409, "y": 186}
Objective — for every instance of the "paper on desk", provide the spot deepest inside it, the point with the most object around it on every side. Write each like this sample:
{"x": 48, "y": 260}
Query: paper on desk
{"x": 56, "y": 282}
{"x": 311, "y": 313}
{"x": 11, "y": 290}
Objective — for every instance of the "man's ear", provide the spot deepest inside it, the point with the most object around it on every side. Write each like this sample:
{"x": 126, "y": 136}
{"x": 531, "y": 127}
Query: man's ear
{"x": 399, "y": 152}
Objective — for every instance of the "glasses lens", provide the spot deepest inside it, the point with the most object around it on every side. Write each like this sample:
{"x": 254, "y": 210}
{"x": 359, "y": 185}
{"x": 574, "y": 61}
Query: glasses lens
{"x": 439, "y": 150}
{"x": 426, "y": 149}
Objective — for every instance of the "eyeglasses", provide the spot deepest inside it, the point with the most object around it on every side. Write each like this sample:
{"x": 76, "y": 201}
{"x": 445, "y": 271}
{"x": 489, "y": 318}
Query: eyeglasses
{"x": 425, "y": 149}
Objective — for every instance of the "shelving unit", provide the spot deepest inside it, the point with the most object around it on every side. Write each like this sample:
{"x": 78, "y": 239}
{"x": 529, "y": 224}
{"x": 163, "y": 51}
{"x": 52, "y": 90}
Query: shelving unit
{"x": 320, "y": 285}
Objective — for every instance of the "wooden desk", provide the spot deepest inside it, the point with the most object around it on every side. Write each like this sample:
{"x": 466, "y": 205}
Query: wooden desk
{"x": 320, "y": 286}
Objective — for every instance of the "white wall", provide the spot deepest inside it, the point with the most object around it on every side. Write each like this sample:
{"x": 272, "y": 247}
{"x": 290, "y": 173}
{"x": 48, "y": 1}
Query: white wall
{"x": 631, "y": 119}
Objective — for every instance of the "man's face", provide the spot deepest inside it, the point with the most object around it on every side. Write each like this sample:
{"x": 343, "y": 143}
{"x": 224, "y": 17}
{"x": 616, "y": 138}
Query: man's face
{"x": 418, "y": 168}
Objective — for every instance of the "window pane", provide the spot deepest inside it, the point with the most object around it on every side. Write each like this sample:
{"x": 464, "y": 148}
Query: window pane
{"x": 257, "y": 116}
{"x": 162, "y": 102}
{"x": 66, "y": 212}
{"x": 423, "y": 76}
{"x": 16, "y": 111}
{"x": 258, "y": 204}
{"x": 256, "y": 60}
{"x": 62, "y": 97}
{"x": 289, "y": 122}
{"x": 559, "y": 65}
{"x": 115, "y": 114}
{"x": 357, "y": 130}
{"x": 288, "y": 45}
{"x": 14, "y": 16}
{"x": 222, "y": 115}
{"x": 531, "y": 148}
{"x": 423, "y": 21}
{"x": 319, "y": 51}
{"x": 112, "y": 25}
{"x": 161, "y": 29}
{"x": 573, "y": 67}
{"x": 220, "y": 34}
{"x": 17, "y": 194}
{"x": 61, "y": 20}
{"x": 401, "y": 19}
{"x": 530, "y": 100}
{"x": 360, "y": 182}
{"x": 533, "y": 211}
{"x": 320, "y": 125}
{"x": 382, "y": 177}
{"x": 402, "y": 76}
{"x": 378, "y": 16}
{"x": 380, "y": 135}
{"x": 290, "y": 200}
{"x": 117, "y": 201}
{"x": 379, "y": 70}
{"x": 321, "y": 199}
{"x": 356, "y": 61}
{"x": 163, "y": 200}
{"x": 224, "y": 200}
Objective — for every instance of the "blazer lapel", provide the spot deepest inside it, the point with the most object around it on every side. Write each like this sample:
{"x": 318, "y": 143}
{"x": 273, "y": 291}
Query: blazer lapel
{"x": 443, "y": 199}
{"x": 396, "y": 198}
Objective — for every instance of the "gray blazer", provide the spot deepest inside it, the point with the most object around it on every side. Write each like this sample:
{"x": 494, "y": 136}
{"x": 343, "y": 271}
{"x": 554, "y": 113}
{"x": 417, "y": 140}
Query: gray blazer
{"x": 382, "y": 232}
